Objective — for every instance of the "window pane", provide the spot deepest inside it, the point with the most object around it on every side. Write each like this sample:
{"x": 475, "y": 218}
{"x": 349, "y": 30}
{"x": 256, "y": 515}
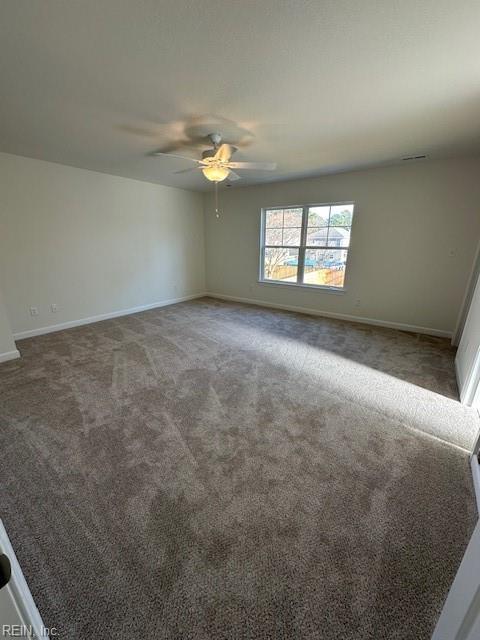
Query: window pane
{"x": 273, "y": 236}
{"x": 318, "y": 216}
{"x": 291, "y": 236}
{"x": 292, "y": 217}
{"x": 339, "y": 236}
{"x": 325, "y": 267}
{"x": 281, "y": 264}
{"x": 274, "y": 219}
{"x": 317, "y": 236}
{"x": 341, "y": 215}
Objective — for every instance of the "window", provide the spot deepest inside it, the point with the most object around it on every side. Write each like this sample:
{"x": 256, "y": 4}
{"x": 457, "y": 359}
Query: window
{"x": 306, "y": 245}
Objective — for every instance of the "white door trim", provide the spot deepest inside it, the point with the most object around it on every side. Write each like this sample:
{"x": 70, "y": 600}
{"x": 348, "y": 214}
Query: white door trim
{"x": 19, "y": 592}
{"x": 460, "y": 617}
{"x": 469, "y": 387}
{"x": 475, "y": 466}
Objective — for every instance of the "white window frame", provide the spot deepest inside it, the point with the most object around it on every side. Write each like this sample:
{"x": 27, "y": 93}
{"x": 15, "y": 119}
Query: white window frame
{"x": 302, "y": 248}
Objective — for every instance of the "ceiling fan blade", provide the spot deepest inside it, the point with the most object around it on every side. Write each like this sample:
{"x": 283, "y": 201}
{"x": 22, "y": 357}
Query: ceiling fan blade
{"x": 188, "y": 170}
{"x": 225, "y": 152}
{"x": 262, "y": 166}
{"x": 171, "y": 155}
{"x": 233, "y": 176}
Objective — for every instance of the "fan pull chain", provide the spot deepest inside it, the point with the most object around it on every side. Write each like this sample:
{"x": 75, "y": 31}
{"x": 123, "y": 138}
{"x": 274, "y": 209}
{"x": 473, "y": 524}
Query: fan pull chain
{"x": 217, "y": 212}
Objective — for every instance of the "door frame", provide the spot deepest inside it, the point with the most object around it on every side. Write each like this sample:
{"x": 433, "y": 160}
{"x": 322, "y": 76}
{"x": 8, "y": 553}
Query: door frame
{"x": 470, "y": 386}
{"x": 19, "y": 593}
{"x": 475, "y": 467}
{"x": 460, "y": 617}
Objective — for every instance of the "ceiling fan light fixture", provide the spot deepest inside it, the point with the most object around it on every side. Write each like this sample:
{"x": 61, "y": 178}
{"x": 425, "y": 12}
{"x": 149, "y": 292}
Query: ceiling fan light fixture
{"x": 215, "y": 173}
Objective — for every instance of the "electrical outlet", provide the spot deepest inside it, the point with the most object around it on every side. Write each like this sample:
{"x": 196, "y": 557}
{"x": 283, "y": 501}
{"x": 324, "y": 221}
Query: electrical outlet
{"x": 54, "y": 308}
{"x": 357, "y": 302}
{"x": 34, "y": 311}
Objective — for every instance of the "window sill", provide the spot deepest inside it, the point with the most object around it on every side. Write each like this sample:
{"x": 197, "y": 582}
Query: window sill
{"x": 317, "y": 287}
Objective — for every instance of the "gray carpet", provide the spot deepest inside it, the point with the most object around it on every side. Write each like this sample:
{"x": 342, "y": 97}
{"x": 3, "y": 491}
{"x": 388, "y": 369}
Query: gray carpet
{"x": 213, "y": 471}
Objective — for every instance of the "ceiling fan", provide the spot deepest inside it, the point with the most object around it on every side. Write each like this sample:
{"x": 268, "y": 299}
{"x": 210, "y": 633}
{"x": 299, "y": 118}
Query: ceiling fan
{"x": 216, "y": 164}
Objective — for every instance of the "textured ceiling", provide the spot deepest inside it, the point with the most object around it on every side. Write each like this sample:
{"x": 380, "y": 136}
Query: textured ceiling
{"x": 322, "y": 85}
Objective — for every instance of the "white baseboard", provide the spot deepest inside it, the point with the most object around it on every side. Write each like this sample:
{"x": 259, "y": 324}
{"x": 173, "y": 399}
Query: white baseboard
{"x": 338, "y": 316}
{"x": 9, "y": 355}
{"x": 104, "y": 316}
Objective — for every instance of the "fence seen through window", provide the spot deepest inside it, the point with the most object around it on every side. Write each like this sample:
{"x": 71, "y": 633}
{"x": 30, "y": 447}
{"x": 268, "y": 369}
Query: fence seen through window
{"x": 306, "y": 245}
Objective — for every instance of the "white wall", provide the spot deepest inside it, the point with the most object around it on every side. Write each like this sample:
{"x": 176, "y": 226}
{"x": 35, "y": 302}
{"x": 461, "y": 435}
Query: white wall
{"x": 92, "y": 243}
{"x": 407, "y": 220}
{"x": 8, "y": 350}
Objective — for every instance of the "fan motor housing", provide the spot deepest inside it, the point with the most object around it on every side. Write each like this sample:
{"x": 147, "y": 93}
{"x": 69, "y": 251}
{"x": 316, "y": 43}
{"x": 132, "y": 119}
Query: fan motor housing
{"x": 208, "y": 153}
{"x": 216, "y": 138}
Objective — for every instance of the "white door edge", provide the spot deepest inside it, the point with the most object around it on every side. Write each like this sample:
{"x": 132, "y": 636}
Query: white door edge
{"x": 469, "y": 387}
{"x": 460, "y": 617}
{"x": 19, "y": 592}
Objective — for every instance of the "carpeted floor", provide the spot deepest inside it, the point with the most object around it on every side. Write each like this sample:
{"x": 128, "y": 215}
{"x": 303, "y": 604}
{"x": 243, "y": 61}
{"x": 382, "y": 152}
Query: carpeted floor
{"x": 218, "y": 471}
